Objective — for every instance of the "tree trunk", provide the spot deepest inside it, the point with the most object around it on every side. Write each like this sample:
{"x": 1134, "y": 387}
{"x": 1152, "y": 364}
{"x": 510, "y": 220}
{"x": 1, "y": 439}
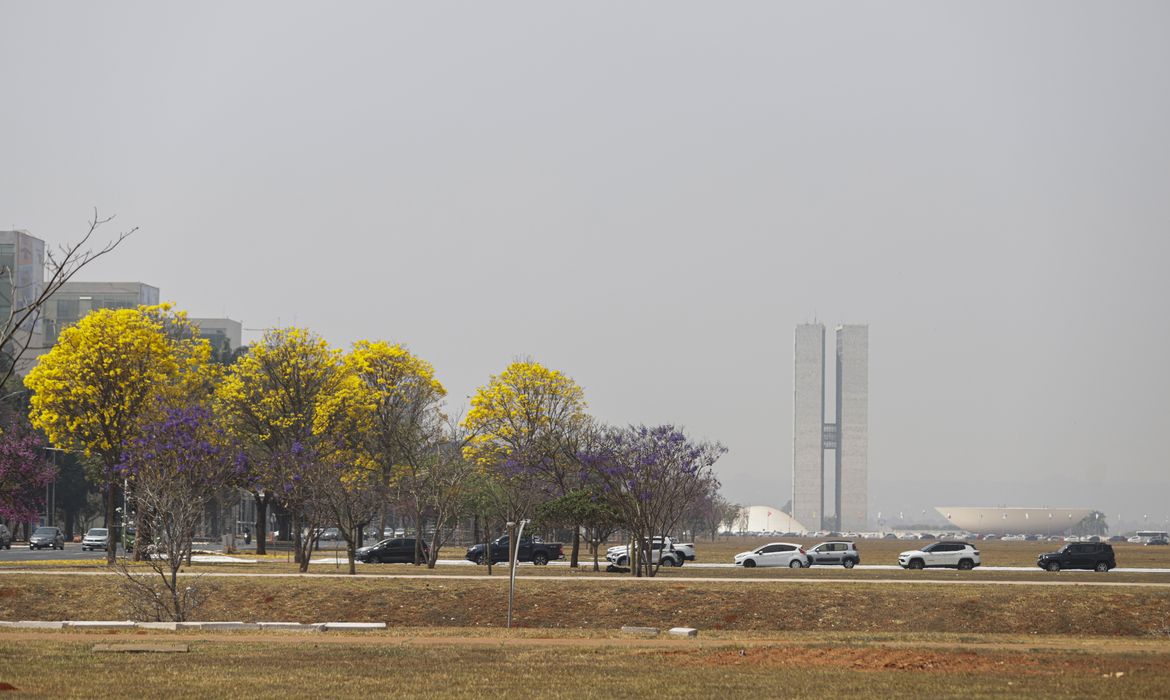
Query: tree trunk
{"x": 487, "y": 546}
{"x": 351, "y": 552}
{"x": 573, "y": 563}
{"x": 261, "y": 523}
{"x": 434, "y": 553}
{"x": 418, "y": 535}
{"x": 112, "y": 531}
{"x": 297, "y": 542}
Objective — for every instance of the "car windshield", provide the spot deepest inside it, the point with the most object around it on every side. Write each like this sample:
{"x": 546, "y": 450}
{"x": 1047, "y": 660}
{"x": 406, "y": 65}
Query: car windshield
{"x": 97, "y": 532}
{"x": 45, "y": 531}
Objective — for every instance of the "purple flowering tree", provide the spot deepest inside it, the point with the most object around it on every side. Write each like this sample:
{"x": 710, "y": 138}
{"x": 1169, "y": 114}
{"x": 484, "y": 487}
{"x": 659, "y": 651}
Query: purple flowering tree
{"x": 651, "y": 476}
{"x": 175, "y": 466}
{"x": 24, "y": 472}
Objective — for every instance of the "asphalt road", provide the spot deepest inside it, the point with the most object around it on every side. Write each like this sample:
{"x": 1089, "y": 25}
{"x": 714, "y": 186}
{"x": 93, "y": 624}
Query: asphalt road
{"x": 72, "y": 552}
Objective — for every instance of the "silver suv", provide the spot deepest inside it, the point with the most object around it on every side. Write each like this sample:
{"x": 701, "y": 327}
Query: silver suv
{"x": 834, "y": 554}
{"x": 959, "y": 555}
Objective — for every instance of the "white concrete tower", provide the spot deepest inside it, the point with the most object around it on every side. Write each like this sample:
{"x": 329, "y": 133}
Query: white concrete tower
{"x": 808, "y": 454}
{"x": 852, "y": 427}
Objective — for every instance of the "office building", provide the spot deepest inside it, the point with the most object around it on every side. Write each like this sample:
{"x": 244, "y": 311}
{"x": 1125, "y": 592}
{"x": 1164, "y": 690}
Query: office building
{"x": 22, "y": 281}
{"x": 224, "y": 334}
{"x": 74, "y": 300}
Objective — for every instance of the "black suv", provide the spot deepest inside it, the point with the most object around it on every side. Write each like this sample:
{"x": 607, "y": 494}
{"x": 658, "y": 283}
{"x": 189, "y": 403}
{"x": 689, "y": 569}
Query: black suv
{"x": 399, "y": 550}
{"x": 1079, "y": 555}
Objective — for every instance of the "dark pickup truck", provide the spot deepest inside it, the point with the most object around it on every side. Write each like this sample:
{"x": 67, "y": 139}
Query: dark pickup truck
{"x": 538, "y": 553}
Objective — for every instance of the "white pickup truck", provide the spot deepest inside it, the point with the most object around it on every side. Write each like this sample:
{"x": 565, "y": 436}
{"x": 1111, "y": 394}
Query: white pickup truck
{"x": 662, "y": 550}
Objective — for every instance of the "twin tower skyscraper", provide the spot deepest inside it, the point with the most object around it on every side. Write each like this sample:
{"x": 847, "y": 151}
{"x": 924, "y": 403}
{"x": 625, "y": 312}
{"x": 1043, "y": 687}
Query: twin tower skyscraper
{"x": 847, "y": 436}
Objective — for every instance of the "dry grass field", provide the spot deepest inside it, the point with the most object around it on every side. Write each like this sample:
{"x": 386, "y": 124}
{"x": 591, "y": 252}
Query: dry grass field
{"x": 418, "y": 665}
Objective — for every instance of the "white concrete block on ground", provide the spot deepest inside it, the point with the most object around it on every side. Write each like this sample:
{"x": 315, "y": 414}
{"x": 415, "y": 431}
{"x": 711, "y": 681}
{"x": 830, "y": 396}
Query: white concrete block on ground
{"x": 683, "y": 632}
{"x": 100, "y": 624}
{"x": 291, "y": 626}
{"x": 39, "y": 625}
{"x": 169, "y": 626}
{"x": 221, "y": 626}
{"x": 353, "y": 626}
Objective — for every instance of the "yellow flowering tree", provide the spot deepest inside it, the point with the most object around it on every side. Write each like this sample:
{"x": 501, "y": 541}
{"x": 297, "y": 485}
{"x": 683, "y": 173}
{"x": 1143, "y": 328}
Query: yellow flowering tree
{"x": 268, "y": 402}
{"x": 522, "y": 424}
{"x": 384, "y": 422}
{"x": 107, "y": 375}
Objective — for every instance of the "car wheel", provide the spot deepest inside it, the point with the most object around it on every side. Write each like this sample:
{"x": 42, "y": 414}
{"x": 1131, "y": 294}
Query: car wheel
{"x": 674, "y": 562}
{"x": 539, "y": 559}
{"x": 966, "y": 565}
{"x": 917, "y": 564}
{"x": 749, "y": 563}
{"x": 1102, "y": 566}
{"x": 1052, "y": 566}
{"x": 795, "y": 564}
{"x": 849, "y": 563}
{"x": 622, "y": 561}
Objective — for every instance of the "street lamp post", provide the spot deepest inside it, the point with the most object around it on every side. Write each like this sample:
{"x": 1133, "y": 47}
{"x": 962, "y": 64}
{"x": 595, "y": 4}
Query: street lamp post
{"x": 512, "y": 575}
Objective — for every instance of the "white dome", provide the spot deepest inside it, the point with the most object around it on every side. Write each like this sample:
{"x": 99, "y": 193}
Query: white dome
{"x": 764, "y": 519}
{"x": 1022, "y": 521}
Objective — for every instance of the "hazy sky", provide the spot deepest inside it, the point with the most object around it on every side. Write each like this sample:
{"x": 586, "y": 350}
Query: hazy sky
{"x": 649, "y": 197}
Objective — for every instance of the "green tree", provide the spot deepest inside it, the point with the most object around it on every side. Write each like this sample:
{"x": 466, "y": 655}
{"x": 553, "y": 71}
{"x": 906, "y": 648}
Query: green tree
{"x": 1092, "y": 524}
{"x": 582, "y": 507}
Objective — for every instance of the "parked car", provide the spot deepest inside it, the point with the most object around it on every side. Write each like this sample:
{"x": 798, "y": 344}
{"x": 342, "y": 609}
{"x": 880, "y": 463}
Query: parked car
{"x": 959, "y": 555}
{"x": 96, "y": 538}
{"x": 1117, "y": 538}
{"x": 834, "y": 554}
{"x": 1157, "y": 540}
{"x": 774, "y": 554}
{"x": 398, "y": 550}
{"x": 662, "y": 551}
{"x": 527, "y": 549}
{"x": 50, "y": 537}
{"x": 5, "y": 537}
{"x": 1097, "y": 556}
{"x": 686, "y": 549}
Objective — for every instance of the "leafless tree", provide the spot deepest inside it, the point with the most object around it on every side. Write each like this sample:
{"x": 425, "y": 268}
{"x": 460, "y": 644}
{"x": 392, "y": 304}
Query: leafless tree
{"x": 27, "y": 299}
{"x": 346, "y": 497}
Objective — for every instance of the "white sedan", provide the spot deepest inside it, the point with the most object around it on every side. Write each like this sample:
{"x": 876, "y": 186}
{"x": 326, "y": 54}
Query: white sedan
{"x": 774, "y": 554}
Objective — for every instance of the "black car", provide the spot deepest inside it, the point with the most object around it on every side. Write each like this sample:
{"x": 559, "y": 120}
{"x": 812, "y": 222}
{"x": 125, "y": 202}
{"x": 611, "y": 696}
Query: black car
{"x": 1157, "y": 540}
{"x": 1097, "y": 556}
{"x": 396, "y": 550}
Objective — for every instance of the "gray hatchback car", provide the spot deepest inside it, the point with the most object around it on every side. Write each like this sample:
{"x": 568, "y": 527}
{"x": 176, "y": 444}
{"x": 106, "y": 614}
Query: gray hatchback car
{"x": 50, "y": 537}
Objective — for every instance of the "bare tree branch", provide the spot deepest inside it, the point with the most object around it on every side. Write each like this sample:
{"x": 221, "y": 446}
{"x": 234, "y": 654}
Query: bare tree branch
{"x": 60, "y": 267}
